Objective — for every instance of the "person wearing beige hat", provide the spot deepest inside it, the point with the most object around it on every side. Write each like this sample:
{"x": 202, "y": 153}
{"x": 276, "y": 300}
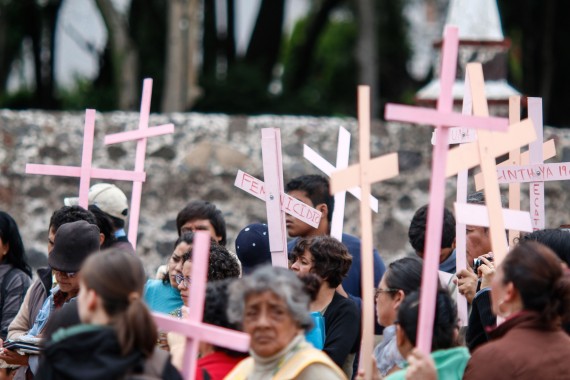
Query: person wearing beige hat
{"x": 112, "y": 201}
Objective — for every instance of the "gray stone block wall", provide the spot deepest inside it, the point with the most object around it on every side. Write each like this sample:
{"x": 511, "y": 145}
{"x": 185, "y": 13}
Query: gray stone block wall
{"x": 200, "y": 160}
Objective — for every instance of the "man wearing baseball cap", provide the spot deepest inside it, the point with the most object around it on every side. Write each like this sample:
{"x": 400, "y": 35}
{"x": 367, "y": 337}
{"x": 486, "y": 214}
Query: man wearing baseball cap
{"x": 73, "y": 243}
{"x": 110, "y": 200}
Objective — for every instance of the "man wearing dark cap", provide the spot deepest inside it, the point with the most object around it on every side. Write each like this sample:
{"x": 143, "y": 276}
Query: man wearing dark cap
{"x": 73, "y": 243}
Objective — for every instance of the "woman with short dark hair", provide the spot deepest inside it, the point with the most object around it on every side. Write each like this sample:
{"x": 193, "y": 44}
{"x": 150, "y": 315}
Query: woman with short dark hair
{"x": 329, "y": 259}
{"x": 531, "y": 290}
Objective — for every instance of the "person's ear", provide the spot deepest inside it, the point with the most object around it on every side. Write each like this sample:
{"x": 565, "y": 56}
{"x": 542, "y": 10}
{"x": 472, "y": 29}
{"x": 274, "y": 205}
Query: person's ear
{"x": 101, "y": 239}
{"x": 92, "y": 300}
{"x": 511, "y": 293}
{"x": 7, "y": 249}
{"x": 324, "y": 209}
{"x": 398, "y": 298}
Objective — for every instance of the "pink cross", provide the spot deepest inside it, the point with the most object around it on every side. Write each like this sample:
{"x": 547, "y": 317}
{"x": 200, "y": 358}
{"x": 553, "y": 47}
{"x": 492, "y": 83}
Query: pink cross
{"x": 277, "y": 203}
{"x": 443, "y": 118}
{"x": 85, "y": 172}
{"x": 193, "y": 327}
{"x": 342, "y": 154}
{"x": 140, "y": 136}
{"x": 364, "y": 174}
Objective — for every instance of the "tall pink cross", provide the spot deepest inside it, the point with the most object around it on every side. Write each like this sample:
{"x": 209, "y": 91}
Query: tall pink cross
{"x": 364, "y": 175}
{"x": 483, "y": 153}
{"x": 192, "y": 326}
{"x": 277, "y": 203}
{"x": 85, "y": 172}
{"x": 140, "y": 135}
{"x": 442, "y": 118}
{"x": 342, "y": 154}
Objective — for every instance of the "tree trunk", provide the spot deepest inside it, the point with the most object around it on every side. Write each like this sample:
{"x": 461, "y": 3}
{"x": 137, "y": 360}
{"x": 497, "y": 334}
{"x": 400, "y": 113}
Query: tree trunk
{"x": 366, "y": 51}
{"x": 299, "y": 72}
{"x": 123, "y": 51}
{"x": 181, "y": 76}
{"x": 265, "y": 42}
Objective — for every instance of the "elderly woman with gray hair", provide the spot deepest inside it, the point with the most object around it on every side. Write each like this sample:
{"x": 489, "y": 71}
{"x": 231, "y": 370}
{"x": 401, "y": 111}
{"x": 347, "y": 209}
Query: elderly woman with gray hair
{"x": 273, "y": 309}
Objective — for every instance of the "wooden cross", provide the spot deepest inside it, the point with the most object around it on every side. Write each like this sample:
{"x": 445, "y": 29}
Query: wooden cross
{"x": 277, "y": 203}
{"x": 483, "y": 152}
{"x": 516, "y": 159}
{"x": 192, "y": 326}
{"x": 342, "y": 154}
{"x": 442, "y": 118}
{"x": 532, "y": 168}
{"x": 140, "y": 136}
{"x": 85, "y": 172}
{"x": 364, "y": 174}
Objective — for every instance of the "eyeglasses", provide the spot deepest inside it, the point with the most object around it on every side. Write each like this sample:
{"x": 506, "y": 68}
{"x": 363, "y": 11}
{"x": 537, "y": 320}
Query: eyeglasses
{"x": 66, "y": 274}
{"x": 377, "y": 291}
{"x": 180, "y": 279}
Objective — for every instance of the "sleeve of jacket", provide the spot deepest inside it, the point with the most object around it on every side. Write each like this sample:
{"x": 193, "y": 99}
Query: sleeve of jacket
{"x": 20, "y": 324}
{"x": 16, "y": 290}
{"x": 481, "y": 317}
{"x": 342, "y": 332}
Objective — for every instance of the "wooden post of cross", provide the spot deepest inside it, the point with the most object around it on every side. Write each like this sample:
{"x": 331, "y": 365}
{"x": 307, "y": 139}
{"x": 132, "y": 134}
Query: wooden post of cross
{"x": 442, "y": 118}
{"x": 514, "y": 159}
{"x": 364, "y": 174}
{"x": 192, "y": 326}
{"x": 483, "y": 152}
{"x": 342, "y": 154}
{"x": 536, "y": 191}
{"x": 85, "y": 172}
{"x": 140, "y": 136}
{"x": 277, "y": 203}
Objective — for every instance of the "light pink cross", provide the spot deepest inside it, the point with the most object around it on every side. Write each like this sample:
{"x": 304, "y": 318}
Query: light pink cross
{"x": 364, "y": 174}
{"x": 443, "y": 118}
{"x": 85, "y": 172}
{"x": 342, "y": 154}
{"x": 277, "y": 203}
{"x": 140, "y": 136}
{"x": 192, "y": 326}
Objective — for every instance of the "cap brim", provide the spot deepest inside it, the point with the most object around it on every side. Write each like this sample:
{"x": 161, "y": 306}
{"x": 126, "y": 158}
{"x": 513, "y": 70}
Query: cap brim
{"x": 71, "y": 201}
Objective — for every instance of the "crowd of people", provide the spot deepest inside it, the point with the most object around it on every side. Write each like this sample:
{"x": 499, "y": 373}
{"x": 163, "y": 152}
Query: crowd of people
{"x": 88, "y": 314}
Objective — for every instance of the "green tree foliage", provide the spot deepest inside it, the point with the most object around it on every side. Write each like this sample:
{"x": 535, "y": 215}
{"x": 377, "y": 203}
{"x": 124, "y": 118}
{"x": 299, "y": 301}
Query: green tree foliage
{"x": 539, "y": 56}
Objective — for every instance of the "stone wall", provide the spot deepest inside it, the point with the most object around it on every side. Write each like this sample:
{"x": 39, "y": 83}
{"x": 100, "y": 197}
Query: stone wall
{"x": 200, "y": 160}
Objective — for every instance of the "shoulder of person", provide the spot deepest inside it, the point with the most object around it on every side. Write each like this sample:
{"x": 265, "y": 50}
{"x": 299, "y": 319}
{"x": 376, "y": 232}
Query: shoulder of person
{"x": 310, "y": 363}
{"x": 157, "y": 366}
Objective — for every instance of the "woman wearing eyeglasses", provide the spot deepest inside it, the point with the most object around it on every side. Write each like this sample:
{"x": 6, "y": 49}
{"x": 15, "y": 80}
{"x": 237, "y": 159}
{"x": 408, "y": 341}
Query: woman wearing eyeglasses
{"x": 222, "y": 265}
{"x": 400, "y": 279}
{"x": 163, "y": 295}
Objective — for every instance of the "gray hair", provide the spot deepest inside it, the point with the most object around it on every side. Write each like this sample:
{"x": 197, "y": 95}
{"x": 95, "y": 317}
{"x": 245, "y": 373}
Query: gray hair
{"x": 280, "y": 281}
